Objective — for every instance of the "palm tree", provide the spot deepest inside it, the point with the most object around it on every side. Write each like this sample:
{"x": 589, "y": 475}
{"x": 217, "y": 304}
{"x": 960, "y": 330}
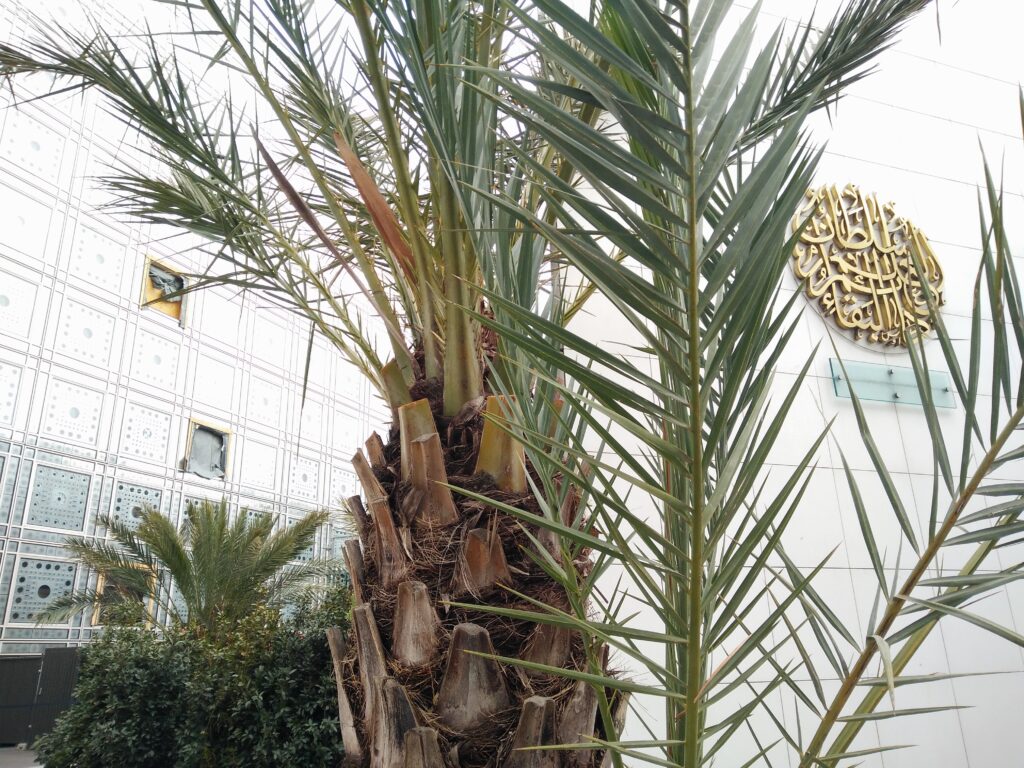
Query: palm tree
{"x": 469, "y": 174}
{"x": 220, "y": 569}
{"x": 704, "y": 599}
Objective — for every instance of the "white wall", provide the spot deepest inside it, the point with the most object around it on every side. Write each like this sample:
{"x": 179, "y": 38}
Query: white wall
{"x": 910, "y": 133}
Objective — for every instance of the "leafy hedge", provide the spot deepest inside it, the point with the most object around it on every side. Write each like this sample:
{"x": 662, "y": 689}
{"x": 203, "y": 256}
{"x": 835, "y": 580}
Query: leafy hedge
{"x": 263, "y": 697}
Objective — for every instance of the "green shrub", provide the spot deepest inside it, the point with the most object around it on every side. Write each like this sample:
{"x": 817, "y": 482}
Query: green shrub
{"x": 263, "y": 696}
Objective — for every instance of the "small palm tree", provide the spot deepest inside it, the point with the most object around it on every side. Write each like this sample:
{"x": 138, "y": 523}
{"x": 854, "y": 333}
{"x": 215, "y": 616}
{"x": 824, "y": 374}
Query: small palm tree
{"x": 221, "y": 568}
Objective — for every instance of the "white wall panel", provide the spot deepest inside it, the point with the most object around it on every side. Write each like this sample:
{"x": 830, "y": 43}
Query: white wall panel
{"x": 72, "y": 412}
{"x": 10, "y": 382}
{"x": 347, "y": 433}
{"x": 26, "y": 220}
{"x": 97, "y": 258}
{"x": 214, "y": 382}
{"x": 263, "y": 403}
{"x": 85, "y": 333}
{"x": 32, "y": 146}
{"x": 270, "y": 340}
{"x": 304, "y": 478}
{"x": 220, "y": 318}
{"x": 343, "y": 485}
{"x": 17, "y": 303}
{"x": 145, "y": 433}
{"x": 155, "y": 360}
{"x": 259, "y": 464}
{"x": 312, "y": 420}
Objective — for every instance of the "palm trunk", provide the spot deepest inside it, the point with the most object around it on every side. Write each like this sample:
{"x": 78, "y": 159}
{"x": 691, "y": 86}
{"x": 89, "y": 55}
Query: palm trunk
{"x": 421, "y": 693}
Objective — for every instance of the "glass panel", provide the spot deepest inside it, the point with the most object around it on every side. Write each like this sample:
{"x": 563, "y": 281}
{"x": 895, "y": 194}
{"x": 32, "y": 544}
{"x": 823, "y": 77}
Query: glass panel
{"x": 889, "y": 383}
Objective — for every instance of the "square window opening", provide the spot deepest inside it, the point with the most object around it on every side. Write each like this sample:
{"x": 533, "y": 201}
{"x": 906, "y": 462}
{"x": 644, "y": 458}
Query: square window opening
{"x": 162, "y": 289}
{"x": 207, "y": 452}
{"x": 125, "y": 602}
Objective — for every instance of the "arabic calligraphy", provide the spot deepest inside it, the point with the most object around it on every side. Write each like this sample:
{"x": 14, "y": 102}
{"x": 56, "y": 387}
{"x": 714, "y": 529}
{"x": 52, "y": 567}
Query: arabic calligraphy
{"x": 865, "y": 266}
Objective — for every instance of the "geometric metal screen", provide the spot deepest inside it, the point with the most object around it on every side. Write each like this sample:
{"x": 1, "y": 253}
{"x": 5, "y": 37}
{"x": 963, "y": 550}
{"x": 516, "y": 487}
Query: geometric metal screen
{"x": 58, "y": 499}
{"x": 37, "y": 584}
{"x": 131, "y": 500}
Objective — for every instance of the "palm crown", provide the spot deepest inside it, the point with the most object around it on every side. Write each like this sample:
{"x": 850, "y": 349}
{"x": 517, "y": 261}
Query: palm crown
{"x": 386, "y": 176}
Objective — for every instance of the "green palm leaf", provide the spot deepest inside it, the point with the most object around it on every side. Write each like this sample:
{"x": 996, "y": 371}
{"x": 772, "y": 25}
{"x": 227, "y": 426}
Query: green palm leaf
{"x": 222, "y": 566}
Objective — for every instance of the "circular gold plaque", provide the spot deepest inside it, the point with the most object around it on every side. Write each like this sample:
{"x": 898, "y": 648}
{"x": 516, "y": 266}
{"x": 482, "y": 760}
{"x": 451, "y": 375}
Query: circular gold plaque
{"x": 865, "y": 266}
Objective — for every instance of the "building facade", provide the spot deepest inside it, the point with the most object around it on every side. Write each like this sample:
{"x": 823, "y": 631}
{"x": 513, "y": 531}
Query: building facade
{"x": 107, "y": 404}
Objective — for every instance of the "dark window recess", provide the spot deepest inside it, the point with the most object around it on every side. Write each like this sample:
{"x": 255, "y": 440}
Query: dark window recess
{"x": 166, "y": 283}
{"x": 207, "y": 456}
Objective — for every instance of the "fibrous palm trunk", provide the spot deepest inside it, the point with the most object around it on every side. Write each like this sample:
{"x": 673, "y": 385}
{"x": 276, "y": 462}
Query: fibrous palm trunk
{"x": 413, "y": 690}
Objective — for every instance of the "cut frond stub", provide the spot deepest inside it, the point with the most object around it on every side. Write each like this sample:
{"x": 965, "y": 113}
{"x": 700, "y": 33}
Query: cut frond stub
{"x": 501, "y": 455}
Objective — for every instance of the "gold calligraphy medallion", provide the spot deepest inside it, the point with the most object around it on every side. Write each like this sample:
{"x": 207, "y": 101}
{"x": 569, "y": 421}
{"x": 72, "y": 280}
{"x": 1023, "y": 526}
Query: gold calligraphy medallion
{"x": 856, "y": 260}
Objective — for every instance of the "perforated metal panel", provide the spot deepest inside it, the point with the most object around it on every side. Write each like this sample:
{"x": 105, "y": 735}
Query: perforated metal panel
{"x": 343, "y": 485}
{"x": 10, "y": 380}
{"x": 264, "y": 401}
{"x": 17, "y": 298}
{"x": 307, "y": 554}
{"x": 72, "y": 412}
{"x": 84, "y": 333}
{"x": 303, "y": 480}
{"x": 33, "y": 146}
{"x": 58, "y": 498}
{"x": 37, "y": 583}
{"x": 259, "y": 464}
{"x": 155, "y": 360}
{"x": 25, "y": 222}
{"x": 145, "y": 433}
{"x": 98, "y": 259}
{"x": 193, "y": 501}
{"x": 255, "y": 509}
{"x": 130, "y": 500}
{"x": 338, "y": 538}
